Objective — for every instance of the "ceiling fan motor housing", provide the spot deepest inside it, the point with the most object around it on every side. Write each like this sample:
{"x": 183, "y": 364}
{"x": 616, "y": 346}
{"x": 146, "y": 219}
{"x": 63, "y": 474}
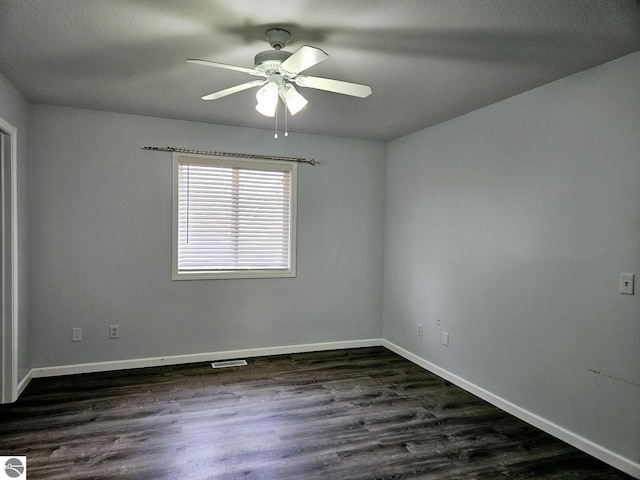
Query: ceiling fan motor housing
{"x": 270, "y": 60}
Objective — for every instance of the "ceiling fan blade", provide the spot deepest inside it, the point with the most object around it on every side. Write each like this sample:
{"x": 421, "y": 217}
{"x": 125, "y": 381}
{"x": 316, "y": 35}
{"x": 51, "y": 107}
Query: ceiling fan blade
{"x": 236, "y": 89}
{"x": 207, "y": 63}
{"x": 336, "y": 86}
{"x": 303, "y": 58}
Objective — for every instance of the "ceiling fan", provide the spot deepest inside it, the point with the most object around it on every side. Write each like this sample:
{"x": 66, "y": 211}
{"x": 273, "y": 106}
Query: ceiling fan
{"x": 280, "y": 71}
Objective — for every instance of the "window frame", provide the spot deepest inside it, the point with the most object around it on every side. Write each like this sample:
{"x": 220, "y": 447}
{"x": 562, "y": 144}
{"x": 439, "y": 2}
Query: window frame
{"x": 253, "y": 163}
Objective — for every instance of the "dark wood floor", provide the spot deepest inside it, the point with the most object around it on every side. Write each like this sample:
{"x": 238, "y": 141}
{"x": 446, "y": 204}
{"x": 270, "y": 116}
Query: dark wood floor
{"x": 344, "y": 415}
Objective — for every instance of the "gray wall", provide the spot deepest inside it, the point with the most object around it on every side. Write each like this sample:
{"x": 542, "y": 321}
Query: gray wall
{"x": 101, "y": 250}
{"x": 15, "y": 109}
{"x": 508, "y": 228}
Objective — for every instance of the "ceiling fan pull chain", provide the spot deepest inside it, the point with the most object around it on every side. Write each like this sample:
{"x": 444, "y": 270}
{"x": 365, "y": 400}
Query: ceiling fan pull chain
{"x": 286, "y": 123}
{"x": 275, "y": 135}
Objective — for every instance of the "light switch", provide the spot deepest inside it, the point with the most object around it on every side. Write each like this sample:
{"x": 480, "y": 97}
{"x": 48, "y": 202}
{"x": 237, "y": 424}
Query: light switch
{"x": 626, "y": 283}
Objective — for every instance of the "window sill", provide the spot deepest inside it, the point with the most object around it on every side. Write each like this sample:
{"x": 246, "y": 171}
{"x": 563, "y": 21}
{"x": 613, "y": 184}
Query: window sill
{"x": 232, "y": 274}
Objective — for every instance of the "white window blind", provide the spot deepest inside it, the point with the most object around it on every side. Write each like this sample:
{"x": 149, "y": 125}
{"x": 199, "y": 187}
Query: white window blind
{"x": 233, "y": 218}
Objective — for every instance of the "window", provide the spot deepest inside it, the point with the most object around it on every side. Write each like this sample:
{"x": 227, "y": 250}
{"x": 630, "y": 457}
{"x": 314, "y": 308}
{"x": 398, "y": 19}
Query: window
{"x": 233, "y": 218}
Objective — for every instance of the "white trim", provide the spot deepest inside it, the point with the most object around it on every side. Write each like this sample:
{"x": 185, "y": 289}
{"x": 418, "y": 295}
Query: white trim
{"x": 12, "y": 373}
{"x": 199, "y": 357}
{"x": 584, "y": 444}
{"x": 24, "y": 383}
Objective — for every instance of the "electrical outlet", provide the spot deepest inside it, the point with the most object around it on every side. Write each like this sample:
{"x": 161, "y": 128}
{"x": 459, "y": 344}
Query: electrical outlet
{"x": 114, "y": 331}
{"x": 419, "y": 329}
{"x": 76, "y": 334}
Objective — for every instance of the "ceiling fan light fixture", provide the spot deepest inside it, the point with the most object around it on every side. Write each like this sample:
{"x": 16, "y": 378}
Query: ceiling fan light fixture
{"x": 267, "y": 98}
{"x": 293, "y": 100}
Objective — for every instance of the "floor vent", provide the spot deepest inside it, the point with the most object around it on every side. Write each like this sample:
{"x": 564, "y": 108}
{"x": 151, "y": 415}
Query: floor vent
{"x": 229, "y": 363}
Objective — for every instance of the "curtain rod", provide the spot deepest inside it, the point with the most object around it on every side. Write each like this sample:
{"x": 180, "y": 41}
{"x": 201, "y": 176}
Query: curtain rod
{"x": 231, "y": 154}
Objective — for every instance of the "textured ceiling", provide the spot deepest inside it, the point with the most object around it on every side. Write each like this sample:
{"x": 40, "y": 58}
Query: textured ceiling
{"x": 426, "y": 60}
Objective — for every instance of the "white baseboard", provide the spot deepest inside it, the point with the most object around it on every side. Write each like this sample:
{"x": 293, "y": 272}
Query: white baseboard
{"x": 615, "y": 460}
{"x": 197, "y": 357}
{"x": 24, "y": 382}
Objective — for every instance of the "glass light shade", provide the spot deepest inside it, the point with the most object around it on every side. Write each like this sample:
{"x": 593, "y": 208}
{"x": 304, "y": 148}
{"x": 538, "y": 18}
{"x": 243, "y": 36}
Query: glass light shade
{"x": 294, "y": 101}
{"x": 267, "y": 98}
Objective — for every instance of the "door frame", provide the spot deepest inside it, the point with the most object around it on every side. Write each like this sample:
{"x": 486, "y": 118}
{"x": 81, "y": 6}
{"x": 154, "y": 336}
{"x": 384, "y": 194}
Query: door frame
{"x": 9, "y": 261}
